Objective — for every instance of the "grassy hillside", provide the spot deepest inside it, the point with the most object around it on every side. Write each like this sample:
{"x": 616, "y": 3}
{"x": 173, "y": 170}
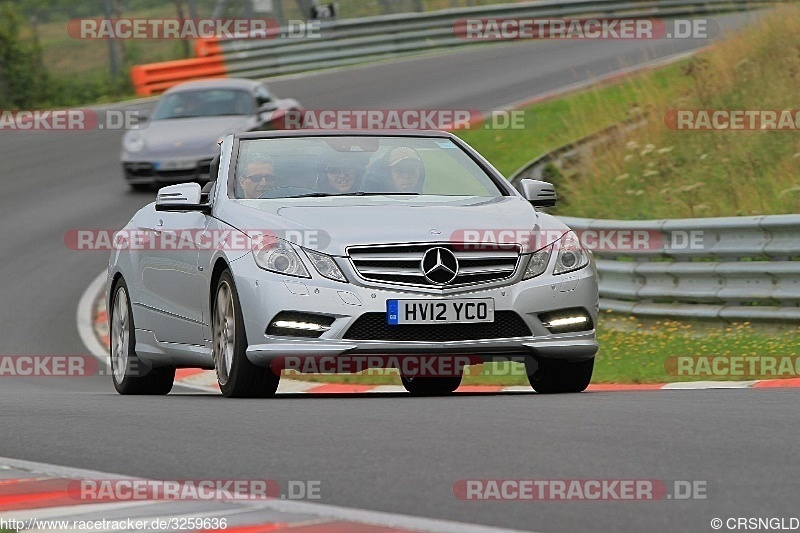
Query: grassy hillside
{"x": 659, "y": 172}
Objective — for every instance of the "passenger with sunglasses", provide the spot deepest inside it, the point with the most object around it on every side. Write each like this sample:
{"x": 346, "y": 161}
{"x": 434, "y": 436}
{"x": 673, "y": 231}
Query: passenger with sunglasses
{"x": 341, "y": 175}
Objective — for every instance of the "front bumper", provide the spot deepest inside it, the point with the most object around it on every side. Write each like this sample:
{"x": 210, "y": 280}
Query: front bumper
{"x": 263, "y": 295}
{"x": 146, "y": 172}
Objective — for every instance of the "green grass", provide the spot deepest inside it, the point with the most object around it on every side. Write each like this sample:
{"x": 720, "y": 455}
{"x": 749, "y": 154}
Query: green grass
{"x": 555, "y": 122}
{"x": 631, "y": 351}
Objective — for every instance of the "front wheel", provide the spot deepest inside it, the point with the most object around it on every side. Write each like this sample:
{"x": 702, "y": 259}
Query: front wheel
{"x": 554, "y": 376}
{"x": 431, "y": 386}
{"x": 236, "y": 375}
{"x": 129, "y": 374}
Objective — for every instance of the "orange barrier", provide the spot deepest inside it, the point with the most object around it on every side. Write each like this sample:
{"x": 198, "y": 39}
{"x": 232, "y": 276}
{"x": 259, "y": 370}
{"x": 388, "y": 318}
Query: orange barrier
{"x": 207, "y": 47}
{"x": 155, "y": 78}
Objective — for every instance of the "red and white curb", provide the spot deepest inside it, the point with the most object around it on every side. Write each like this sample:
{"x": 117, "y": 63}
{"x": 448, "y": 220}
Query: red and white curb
{"x": 92, "y": 310}
{"x": 37, "y": 498}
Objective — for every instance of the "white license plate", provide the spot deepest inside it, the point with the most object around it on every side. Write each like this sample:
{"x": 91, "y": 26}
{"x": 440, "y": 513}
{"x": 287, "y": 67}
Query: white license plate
{"x": 177, "y": 164}
{"x": 455, "y": 311}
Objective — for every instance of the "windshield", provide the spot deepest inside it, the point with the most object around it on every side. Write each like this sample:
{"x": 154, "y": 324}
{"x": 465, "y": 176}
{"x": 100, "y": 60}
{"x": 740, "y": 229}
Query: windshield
{"x": 351, "y": 166}
{"x": 205, "y": 103}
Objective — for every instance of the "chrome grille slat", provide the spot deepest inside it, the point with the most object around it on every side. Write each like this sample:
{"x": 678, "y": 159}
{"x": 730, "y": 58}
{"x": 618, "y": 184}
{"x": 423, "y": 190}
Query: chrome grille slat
{"x": 394, "y": 271}
{"x": 466, "y": 256}
{"x": 401, "y": 263}
{"x": 467, "y": 271}
{"x": 385, "y": 257}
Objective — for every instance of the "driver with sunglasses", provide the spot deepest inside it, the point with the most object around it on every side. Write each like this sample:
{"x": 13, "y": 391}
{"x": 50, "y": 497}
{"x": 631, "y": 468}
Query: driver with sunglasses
{"x": 259, "y": 177}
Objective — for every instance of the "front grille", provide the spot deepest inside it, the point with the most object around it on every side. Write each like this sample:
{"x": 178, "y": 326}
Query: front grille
{"x": 401, "y": 263}
{"x": 147, "y": 170}
{"x": 374, "y": 326}
{"x": 139, "y": 170}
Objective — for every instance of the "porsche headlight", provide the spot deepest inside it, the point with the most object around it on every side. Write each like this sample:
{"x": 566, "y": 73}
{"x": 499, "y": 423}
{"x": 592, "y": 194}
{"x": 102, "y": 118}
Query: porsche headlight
{"x": 277, "y": 255}
{"x": 134, "y": 142}
{"x": 325, "y": 265}
{"x": 571, "y": 255}
{"x": 537, "y": 262}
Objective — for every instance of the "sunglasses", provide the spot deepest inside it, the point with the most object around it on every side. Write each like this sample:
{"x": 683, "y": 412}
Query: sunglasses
{"x": 255, "y": 178}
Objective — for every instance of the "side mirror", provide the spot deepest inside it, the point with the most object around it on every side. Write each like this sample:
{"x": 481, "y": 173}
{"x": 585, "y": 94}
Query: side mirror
{"x": 538, "y": 193}
{"x": 267, "y": 106}
{"x": 181, "y": 197}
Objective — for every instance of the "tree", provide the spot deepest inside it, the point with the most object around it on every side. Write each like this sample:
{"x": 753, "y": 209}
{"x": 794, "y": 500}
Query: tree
{"x": 23, "y": 77}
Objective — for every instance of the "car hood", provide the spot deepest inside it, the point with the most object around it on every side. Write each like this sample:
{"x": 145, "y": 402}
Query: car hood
{"x": 190, "y": 135}
{"x": 337, "y": 223}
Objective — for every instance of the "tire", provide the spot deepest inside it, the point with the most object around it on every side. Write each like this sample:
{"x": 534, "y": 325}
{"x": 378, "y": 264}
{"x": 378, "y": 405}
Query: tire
{"x": 431, "y": 386}
{"x": 553, "y": 376}
{"x": 129, "y": 374}
{"x": 140, "y": 187}
{"x": 236, "y": 375}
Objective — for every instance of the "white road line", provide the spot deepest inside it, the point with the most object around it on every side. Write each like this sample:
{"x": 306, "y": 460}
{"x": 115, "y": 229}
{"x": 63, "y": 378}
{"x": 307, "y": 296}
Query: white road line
{"x": 709, "y": 385}
{"x": 63, "y": 512}
{"x": 84, "y": 319}
{"x": 284, "y": 506}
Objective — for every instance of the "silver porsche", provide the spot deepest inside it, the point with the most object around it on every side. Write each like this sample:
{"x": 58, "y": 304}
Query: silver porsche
{"x": 176, "y": 142}
{"x": 321, "y": 251}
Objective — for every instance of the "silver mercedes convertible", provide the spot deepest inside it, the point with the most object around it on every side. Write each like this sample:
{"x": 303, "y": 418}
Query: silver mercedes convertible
{"x": 343, "y": 251}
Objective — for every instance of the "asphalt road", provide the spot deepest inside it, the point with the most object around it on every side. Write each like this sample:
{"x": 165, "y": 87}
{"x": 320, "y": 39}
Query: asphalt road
{"x": 391, "y": 453}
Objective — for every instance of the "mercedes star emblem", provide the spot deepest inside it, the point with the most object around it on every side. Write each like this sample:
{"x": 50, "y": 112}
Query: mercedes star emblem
{"x": 439, "y": 266}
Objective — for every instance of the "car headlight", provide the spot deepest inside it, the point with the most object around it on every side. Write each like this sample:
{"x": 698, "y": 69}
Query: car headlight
{"x": 325, "y": 265}
{"x": 277, "y": 255}
{"x": 571, "y": 255}
{"x": 537, "y": 262}
{"x": 134, "y": 142}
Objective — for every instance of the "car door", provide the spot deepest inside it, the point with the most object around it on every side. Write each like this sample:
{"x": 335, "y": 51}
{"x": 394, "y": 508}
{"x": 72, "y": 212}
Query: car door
{"x": 170, "y": 276}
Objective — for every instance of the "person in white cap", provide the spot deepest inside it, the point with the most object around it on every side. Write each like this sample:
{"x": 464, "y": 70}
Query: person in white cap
{"x": 406, "y": 169}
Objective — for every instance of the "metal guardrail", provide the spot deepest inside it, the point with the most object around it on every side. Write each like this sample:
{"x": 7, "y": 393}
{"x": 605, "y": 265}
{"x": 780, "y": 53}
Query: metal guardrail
{"x": 351, "y": 41}
{"x": 731, "y": 268}
{"x": 740, "y": 268}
